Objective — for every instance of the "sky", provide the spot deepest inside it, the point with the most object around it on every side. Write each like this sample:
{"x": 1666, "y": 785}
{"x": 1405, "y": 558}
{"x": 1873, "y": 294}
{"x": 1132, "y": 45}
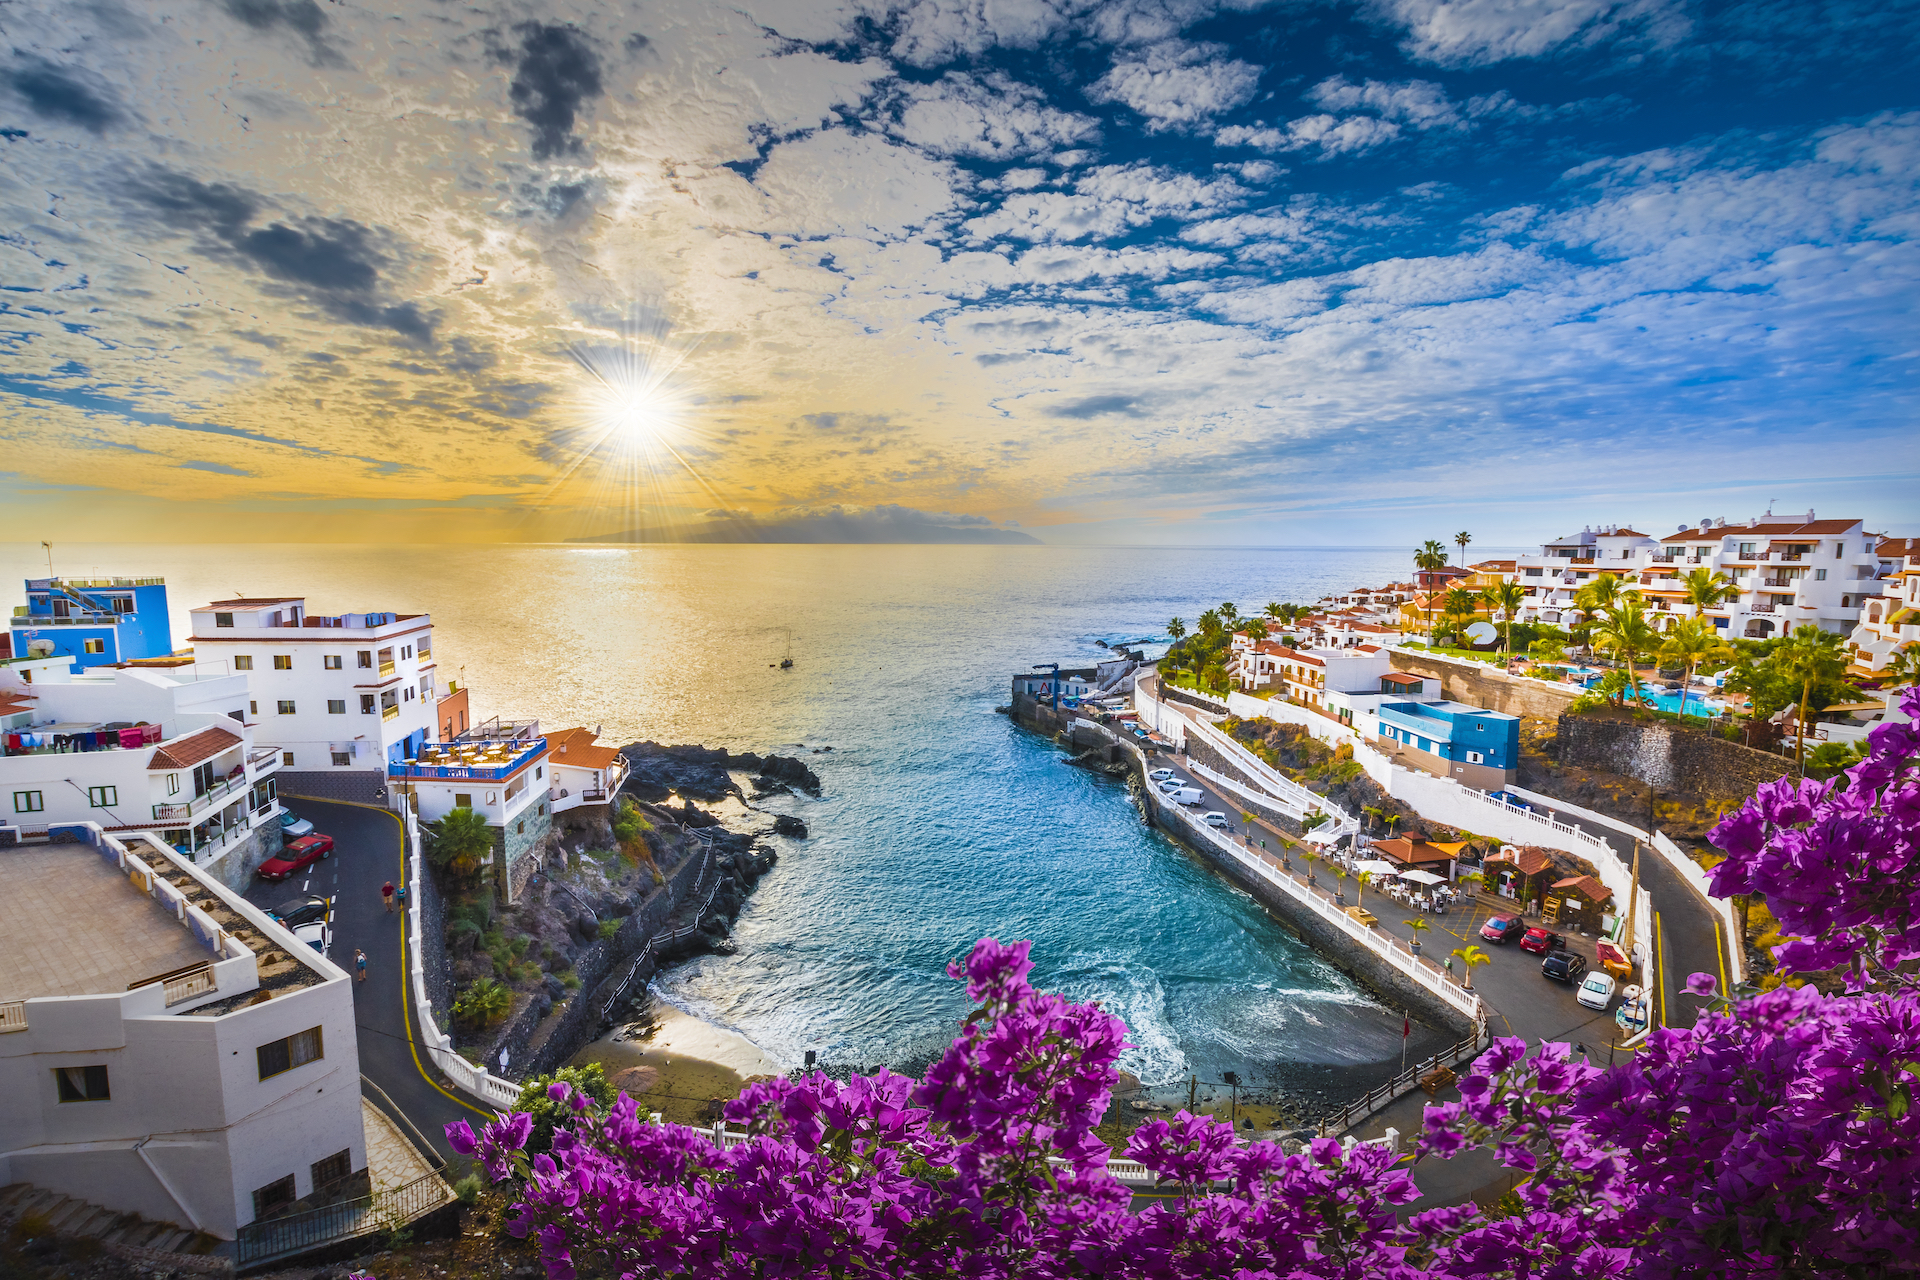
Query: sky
{"x": 1157, "y": 272}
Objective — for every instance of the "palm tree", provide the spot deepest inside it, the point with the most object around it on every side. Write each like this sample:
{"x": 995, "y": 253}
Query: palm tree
{"x": 1706, "y": 588}
{"x": 1254, "y": 629}
{"x": 1459, "y": 609}
{"x": 1810, "y": 655}
{"x": 1210, "y": 624}
{"x": 462, "y": 842}
{"x": 1418, "y": 926}
{"x": 1903, "y": 668}
{"x": 1461, "y": 540}
{"x": 1177, "y": 628}
{"x": 1430, "y": 557}
{"x": 1469, "y": 956}
{"x": 1276, "y": 611}
{"x": 1628, "y": 633}
{"x": 1508, "y": 597}
{"x": 1691, "y": 643}
{"x": 1603, "y": 593}
{"x": 1363, "y": 879}
{"x": 1230, "y": 612}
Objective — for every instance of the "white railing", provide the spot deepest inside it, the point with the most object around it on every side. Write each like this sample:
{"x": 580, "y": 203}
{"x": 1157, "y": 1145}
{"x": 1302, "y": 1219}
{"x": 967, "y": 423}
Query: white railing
{"x": 13, "y": 1016}
{"x": 1734, "y": 945}
{"x": 1432, "y": 979}
{"x": 1299, "y": 797}
{"x": 1337, "y": 825}
{"x": 188, "y": 985}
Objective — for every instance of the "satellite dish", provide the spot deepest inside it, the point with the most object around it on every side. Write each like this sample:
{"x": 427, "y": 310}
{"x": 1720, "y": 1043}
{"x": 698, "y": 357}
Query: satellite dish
{"x": 1482, "y": 633}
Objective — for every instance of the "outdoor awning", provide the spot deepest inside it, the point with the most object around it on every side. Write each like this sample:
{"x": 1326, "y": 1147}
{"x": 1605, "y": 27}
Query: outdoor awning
{"x": 1423, "y": 877}
{"x": 1451, "y": 850}
{"x": 1376, "y": 867}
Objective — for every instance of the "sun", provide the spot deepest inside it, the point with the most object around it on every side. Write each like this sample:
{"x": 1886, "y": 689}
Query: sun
{"x": 635, "y": 413}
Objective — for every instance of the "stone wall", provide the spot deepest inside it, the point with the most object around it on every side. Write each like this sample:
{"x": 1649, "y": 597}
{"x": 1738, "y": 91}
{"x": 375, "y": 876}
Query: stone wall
{"x": 1479, "y": 685}
{"x": 1203, "y": 752}
{"x": 1666, "y": 756}
{"x": 435, "y": 963}
{"x": 359, "y": 786}
{"x": 1187, "y": 697}
{"x": 234, "y": 865}
{"x": 516, "y": 851}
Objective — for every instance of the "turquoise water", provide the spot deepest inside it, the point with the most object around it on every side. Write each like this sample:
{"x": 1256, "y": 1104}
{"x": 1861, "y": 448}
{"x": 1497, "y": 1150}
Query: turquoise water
{"x": 940, "y": 822}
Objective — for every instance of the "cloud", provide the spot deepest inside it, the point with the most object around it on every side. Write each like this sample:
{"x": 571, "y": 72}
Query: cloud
{"x": 886, "y": 523}
{"x": 557, "y": 72}
{"x": 303, "y": 18}
{"x": 1419, "y": 104}
{"x": 335, "y": 263}
{"x": 63, "y": 94}
{"x": 217, "y": 468}
{"x": 1177, "y": 85}
{"x": 1122, "y": 406}
{"x": 991, "y": 116}
{"x": 1474, "y": 33}
{"x": 836, "y": 181}
{"x": 1329, "y": 135}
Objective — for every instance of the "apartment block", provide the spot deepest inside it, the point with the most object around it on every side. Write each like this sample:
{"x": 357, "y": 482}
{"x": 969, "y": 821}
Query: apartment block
{"x": 1889, "y": 621}
{"x": 339, "y": 696}
{"x": 1473, "y": 746}
{"x": 166, "y": 1048}
{"x": 505, "y": 780}
{"x": 92, "y": 622}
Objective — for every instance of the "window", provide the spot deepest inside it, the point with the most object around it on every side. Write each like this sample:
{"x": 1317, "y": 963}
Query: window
{"x": 286, "y": 706}
{"x": 81, "y": 1084}
{"x": 1838, "y": 550}
{"x": 273, "y": 1197}
{"x": 493, "y": 797}
{"x": 426, "y": 648}
{"x": 203, "y": 779}
{"x": 520, "y": 827}
{"x": 539, "y": 771}
{"x": 543, "y": 806}
{"x": 286, "y": 758}
{"x": 331, "y": 661}
{"x": 407, "y": 694}
{"x": 95, "y": 646}
{"x": 254, "y": 707}
{"x": 102, "y": 797}
{"x": 461, "y": 800}
{"x": 426, "y": 685}
{"x": 406, "y": 651}
{"x": 283, "y": 662}
{"x": 1819, "y": 575}
{"x": 1475, "y": 757}
{"x": 28, "y": 802}
{"x": 222, "y": 619}
{"x": 336, "y": 706}
{"x": 243, "y": 662}
{"x": 333, "y": 1168}
{"x": 366, "y": 704}
{"x": 366, "y": 658}
{"x": 294, "y": 1051}
{"x": 173, "y": 784}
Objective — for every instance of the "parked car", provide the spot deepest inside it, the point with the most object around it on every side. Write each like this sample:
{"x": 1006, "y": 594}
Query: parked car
{"x": 298, "y": 911}
{"x": 1540, "y": 941}
{"x": 1564, "y": 966}
{"x": 1214, "y": 818}
{"x": 1501, "y": 929}
{"x": 1172, "y": 785}
{"x": 315, "y": 934}
{"x": 294, "y": 826}
{"x": 1160, "y": 775}
{"x": 1597, "y": 991}
{"x": 301, "y": 853}
{"x": 1189, "y": 796}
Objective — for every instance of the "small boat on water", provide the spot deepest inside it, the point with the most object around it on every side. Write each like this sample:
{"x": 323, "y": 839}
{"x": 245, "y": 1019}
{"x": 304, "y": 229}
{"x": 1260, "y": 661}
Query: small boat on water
{"x": 786, "y": 663}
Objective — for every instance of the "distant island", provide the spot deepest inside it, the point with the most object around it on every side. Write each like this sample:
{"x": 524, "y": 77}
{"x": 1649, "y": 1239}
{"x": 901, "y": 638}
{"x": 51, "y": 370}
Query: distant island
{"x": 879, "y": 524}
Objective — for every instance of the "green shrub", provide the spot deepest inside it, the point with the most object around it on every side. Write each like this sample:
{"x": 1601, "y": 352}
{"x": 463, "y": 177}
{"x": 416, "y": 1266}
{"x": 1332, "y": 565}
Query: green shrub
{"x": 469, "y": 1189}
{"x": 570, "y": 980}
{"x": 519, "y": 945}
{"x": 610, "y": 927}
{"x": 534, "y": 1100}
{"x": 484, "y": 1002}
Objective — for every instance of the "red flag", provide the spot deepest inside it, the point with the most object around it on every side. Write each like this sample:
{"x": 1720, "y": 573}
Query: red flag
{"x": 1406, "y": 1026}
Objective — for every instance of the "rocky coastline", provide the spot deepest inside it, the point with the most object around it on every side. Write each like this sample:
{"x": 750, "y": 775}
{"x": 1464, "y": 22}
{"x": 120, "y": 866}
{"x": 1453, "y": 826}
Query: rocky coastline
{"x": 603, "y": 915}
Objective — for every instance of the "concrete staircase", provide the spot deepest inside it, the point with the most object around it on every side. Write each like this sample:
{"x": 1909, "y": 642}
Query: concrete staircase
{"x": 65, "y": 1216}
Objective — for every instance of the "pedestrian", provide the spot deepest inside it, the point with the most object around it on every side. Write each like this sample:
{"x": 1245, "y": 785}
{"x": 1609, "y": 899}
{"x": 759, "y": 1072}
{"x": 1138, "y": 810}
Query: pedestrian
{"x": 359, "y": 965}
{"x": 386, "y": 895}
{"x": 400, "y": 896}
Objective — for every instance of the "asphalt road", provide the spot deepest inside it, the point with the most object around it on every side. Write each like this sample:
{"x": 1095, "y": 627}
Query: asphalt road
{"x": 368, "y": 852}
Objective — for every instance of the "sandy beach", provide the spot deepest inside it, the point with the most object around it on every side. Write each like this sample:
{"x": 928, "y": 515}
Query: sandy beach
{"x": 683, "y": 1067}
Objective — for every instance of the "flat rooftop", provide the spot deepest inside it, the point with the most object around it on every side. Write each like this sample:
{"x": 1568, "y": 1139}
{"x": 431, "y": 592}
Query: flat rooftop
{"x": 72, "y": 924}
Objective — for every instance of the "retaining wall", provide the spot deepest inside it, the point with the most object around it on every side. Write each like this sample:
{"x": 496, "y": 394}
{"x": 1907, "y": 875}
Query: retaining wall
{"x": 1666, "y": 756}
{"x": 358, "y": 786}
{"x": 1479, "y": 685}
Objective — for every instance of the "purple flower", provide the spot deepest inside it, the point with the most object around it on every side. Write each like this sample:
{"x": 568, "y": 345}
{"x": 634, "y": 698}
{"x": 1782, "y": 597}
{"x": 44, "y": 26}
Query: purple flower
{"x": 1702, "y": 984}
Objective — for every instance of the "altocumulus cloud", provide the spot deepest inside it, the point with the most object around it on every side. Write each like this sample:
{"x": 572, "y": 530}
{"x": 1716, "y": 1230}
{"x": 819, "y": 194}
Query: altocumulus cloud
{"x": 887, "y": 522}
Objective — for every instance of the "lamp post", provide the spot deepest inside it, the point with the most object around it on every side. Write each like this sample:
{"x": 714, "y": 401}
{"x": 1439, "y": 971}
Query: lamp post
{"x": 1233, "y": 1107}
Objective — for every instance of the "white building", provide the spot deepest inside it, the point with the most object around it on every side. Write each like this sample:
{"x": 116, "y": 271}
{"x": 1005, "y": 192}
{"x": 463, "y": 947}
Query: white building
{"x": 1890, "y": 620}
{"x": 341, "y": 697}
{"x": 161, "y": 744}
{"x": 583, "y": 772}
{"x": 1786, "y": 573}
{"x": 503, "y": 780}
{"x": 165, "y": 1048}
{"x": 1557, "y": 572}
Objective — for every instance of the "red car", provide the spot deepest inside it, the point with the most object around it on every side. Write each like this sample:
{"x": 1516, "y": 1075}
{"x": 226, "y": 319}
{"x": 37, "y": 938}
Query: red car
{"x": 1501, "y": 929}
{"x": 1540, "y": 941}
{"x": 305, "y": 850}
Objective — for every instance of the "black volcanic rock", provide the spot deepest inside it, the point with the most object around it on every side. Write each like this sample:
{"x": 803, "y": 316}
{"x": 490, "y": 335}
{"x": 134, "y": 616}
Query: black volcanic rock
{"x": 788, "y": 825}
{"x": 706, "y": 773}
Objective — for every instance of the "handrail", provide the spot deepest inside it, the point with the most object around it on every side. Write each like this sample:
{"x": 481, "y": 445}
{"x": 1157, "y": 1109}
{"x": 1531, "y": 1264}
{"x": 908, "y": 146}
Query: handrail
{"x": 1404, "y": 1083}
{"x": 13, "y": 1016}
{"x": 675, "y": 936}
{"x": 382, "y": 1210}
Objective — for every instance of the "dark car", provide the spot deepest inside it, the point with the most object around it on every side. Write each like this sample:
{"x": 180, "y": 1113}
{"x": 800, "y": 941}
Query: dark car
{"x": 1540, "y": 941}
{"x": 302, "y": 852}
{"x": 1501, "y": 929}
{"x": 298, "y": 911}
{"x": 1564, "y": 966}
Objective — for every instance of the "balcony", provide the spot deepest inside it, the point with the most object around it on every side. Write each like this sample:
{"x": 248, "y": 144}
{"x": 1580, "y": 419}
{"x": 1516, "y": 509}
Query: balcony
{"x": 390, "y": 712}
{"x": 261, "y": 756}
{"x": 386, "y": 667}
{"x": 476, "y": 761}
{"x": 182, "y": 811}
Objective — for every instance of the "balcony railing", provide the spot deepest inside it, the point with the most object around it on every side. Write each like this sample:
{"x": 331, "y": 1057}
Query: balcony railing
{"x": 13, "y": 1016}
{"x": 262, "y": 755}
{"x": 386, "y": 667}
{"x": 449, "y": 764}
{"x": 593, "y": 796}
{"x": 390, "y": 712}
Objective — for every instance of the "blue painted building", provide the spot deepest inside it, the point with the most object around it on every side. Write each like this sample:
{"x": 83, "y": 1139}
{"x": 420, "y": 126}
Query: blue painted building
{"x": 1479, "y": 748}
{"x": 94, "y": 621}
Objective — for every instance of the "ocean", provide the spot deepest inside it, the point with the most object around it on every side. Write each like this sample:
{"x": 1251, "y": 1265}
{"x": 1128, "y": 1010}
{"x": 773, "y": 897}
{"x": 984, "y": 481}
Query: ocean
{"x": 940, "y": 821}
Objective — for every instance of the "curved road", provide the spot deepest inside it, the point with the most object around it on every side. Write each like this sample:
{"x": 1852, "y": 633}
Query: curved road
{"x": 368, "y": 851}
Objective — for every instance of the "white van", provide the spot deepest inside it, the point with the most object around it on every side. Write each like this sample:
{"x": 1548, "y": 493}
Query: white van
{"x": 1188, "y": 795}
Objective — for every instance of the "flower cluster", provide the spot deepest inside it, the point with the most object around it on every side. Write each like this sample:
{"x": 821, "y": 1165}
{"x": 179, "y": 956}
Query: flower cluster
{"x": 1777, "y": 1136}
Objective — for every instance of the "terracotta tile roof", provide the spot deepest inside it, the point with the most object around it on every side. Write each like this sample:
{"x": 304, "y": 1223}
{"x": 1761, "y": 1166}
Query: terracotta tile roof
{"x": 575, "y": 747}
{"x": 193, "y": 749}
{"x": 1412, "y": 851}
{"x": 1624, "y": 533}
{"x": 1586, "y": 887}
{"x": 253, "y": 600}
{"x": 1892, "y": 547}
{"x": 1528, "y": 860}
{"x": 12, "y": 702}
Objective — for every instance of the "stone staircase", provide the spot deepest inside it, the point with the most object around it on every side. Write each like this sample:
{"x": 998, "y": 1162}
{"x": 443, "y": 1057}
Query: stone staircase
{"x": 66, "y": 1216}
